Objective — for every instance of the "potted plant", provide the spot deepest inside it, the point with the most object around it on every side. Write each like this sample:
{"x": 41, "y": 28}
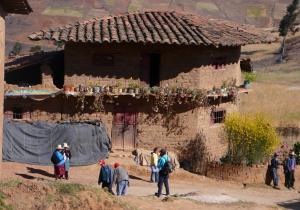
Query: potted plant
{"x": 115, "y": 89}
{"x": 147, "y": 90}
{"x": 131, "y": 86}
{"x": 154, "y": 89}
{"x": 120, "y": 87}
{"x": 249, "y": 77}
{"x": 66, "y": 88}
{"x": 218, "y": 91}
{"x": 136, "y": 89}
{"x": 91, "y": 88}
{"x": 72, "y": 86}
{"x": 124, "y": 90}
{"x": 96, "y": 88}
{"x": 81, "y": 87}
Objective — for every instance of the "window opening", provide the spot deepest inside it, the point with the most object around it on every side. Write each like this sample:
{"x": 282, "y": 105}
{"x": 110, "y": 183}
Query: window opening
{"x": 219, "y": 62}
{"x": 17, "y": 112}
{"x": 217, "y": 117}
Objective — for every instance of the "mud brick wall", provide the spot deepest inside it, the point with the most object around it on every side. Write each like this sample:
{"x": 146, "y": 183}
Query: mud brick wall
{"x": 242, "y": 174}
{"x": 48, "y": 110}
{"x": 189, "y": 66}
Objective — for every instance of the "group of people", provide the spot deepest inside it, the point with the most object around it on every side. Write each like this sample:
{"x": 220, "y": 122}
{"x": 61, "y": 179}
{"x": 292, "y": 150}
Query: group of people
{"x": 109, "y": 178}
{"x": 289, "y": 170}
{"x": 119, "y": 176}
{"x": 159, "y": 171}
{"x": 63, "y": 154}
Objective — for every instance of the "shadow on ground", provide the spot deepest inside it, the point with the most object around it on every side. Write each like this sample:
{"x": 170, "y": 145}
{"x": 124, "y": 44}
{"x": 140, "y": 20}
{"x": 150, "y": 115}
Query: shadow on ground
{"x": 35, "y": 171}
{"x": 290, "y": 204}
{"x": 138, "y": 178}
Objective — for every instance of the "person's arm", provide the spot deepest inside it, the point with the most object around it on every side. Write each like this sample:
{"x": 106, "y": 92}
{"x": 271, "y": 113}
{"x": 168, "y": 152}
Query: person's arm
{"x": 128, "y": 180}
{"x": 70, "y": 154}
{"x": 288, "y": 164}
{"x": 100, "y": 177}
{"x": 155, "y": 160}
{"x": 114, "y": 178}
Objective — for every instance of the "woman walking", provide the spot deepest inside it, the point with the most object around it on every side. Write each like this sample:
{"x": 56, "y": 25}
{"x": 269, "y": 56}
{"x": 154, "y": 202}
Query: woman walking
{"x": 59, "y": 167}
{"x": 67, "y": 158}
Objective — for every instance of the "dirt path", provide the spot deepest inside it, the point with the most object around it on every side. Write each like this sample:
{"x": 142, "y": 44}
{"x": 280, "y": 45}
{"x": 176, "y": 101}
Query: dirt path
{"x": 140, "y": 185}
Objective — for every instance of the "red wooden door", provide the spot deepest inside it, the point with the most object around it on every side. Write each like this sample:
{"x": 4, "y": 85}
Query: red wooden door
{"x": 124, "y": 127}
{"x": 145, "y": 68}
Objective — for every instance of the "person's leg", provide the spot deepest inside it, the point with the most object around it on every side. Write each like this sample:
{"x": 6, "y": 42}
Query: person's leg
{"x": 156, "y": 176}
{"x": 124, "y": 187}
{"x": 274, "y": 177}
{"x": 110, "y": 188}
{"x": 104, "y": 184}
{"x": 56, "y": 177}
{"x": 67, "y": 175}
{"x": 160, "y": 184}
{"x": 292, "y": 179}
{"x": 119, "y": 189}
{"x": 152, "y": 176}
{"x": 166, "y": 182}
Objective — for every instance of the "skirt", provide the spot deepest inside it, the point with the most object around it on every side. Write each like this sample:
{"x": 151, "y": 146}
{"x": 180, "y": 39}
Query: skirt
{"x": 67, "y": 164}
{"x": 59, "y": 170}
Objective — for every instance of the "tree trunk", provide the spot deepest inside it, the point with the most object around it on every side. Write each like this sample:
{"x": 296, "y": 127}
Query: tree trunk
{"x": 283, "y": 46}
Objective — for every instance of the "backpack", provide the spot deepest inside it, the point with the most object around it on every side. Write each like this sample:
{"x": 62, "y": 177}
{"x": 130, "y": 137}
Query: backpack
{"x": 168, "y": 167}
{"x": 55, "y": 159}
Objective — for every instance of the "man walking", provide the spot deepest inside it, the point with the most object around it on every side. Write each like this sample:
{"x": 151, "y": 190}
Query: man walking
{"x": 121, "y": 179}
{"x": 105, "y": 176}
{"x": 291, "y": 166}
{"x": 163, "y": 173}
{"x": 275, "y": 166}
{"x": 154, "y": 168}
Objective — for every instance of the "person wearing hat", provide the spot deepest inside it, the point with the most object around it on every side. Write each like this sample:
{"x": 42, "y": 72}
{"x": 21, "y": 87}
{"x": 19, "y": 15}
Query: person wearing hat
{"x": 291, "y": 167}
{"x": 67, "y": 157}
{"x": 121, "y": 179}
{"x": 163, "y": 175}
{"x": 106, "y": 176}
{"x": 59, "y": 168}
{"x": 275, "y": 166}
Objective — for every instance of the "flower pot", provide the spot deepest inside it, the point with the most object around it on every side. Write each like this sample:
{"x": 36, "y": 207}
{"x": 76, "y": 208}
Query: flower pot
{"x": 96, "y": 89}
{"x": 120, "y": 90}
{"x": 125, "y": 90}
{"x": 76, "y": 89}
{"x": 72, "y": 89}
{"x": 130, "y": 90}
{"x": 147, "y": 91}
{"x": 81, "y": 87}
{"x": 246, "y": 84}
{"x": 100, "y": 88}
{"x": 218, "y": 91}
{"x": 136, "y": 90}
{"x": 115, "y": 90}
{"x": 106, "y": 88}
{"x": 66, "y": 88}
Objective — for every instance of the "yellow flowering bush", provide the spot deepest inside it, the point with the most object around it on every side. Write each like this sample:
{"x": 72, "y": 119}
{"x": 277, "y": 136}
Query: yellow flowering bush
{"x": 249, "y": 137}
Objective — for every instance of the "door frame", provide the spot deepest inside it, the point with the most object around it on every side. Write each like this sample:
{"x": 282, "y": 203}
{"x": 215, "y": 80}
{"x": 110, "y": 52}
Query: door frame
{"x": 124, "y": 105}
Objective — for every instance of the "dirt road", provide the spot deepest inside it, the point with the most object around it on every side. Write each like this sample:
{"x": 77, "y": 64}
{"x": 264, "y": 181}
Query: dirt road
{"x": 140, "y": 185}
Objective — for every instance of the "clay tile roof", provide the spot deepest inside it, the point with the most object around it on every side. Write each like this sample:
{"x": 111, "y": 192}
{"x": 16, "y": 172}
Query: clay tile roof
{"x": 169, "y": 27}
{"x": 16, "y": 6}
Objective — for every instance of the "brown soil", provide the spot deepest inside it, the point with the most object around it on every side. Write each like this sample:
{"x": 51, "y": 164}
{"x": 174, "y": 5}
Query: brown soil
{"x": 140, "y": 193}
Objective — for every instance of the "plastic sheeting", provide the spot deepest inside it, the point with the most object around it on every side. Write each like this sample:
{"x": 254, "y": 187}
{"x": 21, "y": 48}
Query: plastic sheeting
{"x": 35, "y": 143}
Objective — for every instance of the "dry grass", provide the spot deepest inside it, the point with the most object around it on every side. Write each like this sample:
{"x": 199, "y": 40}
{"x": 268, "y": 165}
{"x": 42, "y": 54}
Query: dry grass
{"x": 272, "y": 94}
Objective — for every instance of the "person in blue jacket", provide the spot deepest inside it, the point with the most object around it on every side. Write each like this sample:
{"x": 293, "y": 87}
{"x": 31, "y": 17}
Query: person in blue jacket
{"x": 59, "y": 168}
{"x": 163, "y": 174}
{"x": 106, "y": 176}
{"x": 291, "y": 167}
{"x": 275, "y": 166}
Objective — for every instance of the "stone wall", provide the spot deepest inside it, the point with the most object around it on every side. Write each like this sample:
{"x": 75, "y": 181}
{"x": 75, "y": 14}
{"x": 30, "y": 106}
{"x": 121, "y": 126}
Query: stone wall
{"x": 2, "y": 55}
{"x": 189, "y": 66}
{"x": 242, "y": 174}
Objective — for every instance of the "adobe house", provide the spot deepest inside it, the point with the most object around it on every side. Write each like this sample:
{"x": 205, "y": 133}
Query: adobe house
{"x": 158, "y": 48}
{"x": 6, "y": 7}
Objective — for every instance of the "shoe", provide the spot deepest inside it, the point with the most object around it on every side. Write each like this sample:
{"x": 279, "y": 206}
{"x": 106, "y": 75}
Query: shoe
{"x": 60, "y": 177}
{"x": 294, "y": 188}
{"x": 289, "y": 188}
{"x": 67, "y": 178}
{"x": 277, "y": 187}
{"x": 156, "y": 194}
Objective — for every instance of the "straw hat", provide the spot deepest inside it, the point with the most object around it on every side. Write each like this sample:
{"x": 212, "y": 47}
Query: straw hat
{"x": 292, "y": 153}
{"x": 59, "y": 147}
{"x": 65, "y": 145}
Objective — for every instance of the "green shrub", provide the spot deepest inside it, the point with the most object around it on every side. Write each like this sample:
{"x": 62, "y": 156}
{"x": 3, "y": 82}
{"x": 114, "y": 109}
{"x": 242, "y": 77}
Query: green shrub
{"x": 250, "y": 76}
{"x": 249, "y": 137}
{"x": 297, "y": 151}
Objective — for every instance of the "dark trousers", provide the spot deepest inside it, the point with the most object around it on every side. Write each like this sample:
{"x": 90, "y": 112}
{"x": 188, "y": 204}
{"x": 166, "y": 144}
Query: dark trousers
{"x": 163, "y": 179}
{"x": 108, "y": 185}
{"x": 291, "y": 178}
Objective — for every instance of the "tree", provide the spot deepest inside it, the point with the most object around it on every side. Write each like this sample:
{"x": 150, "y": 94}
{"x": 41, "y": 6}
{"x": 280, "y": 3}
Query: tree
{"x": 17, "y": 49}
{"x": 288, "y": 22}
{"x": 37, "y": 48}
{"x": 59, "y": 44}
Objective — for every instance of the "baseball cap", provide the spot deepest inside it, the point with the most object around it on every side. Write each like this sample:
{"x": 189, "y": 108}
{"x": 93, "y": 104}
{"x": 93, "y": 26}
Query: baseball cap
{"x": 101, "y": 162}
